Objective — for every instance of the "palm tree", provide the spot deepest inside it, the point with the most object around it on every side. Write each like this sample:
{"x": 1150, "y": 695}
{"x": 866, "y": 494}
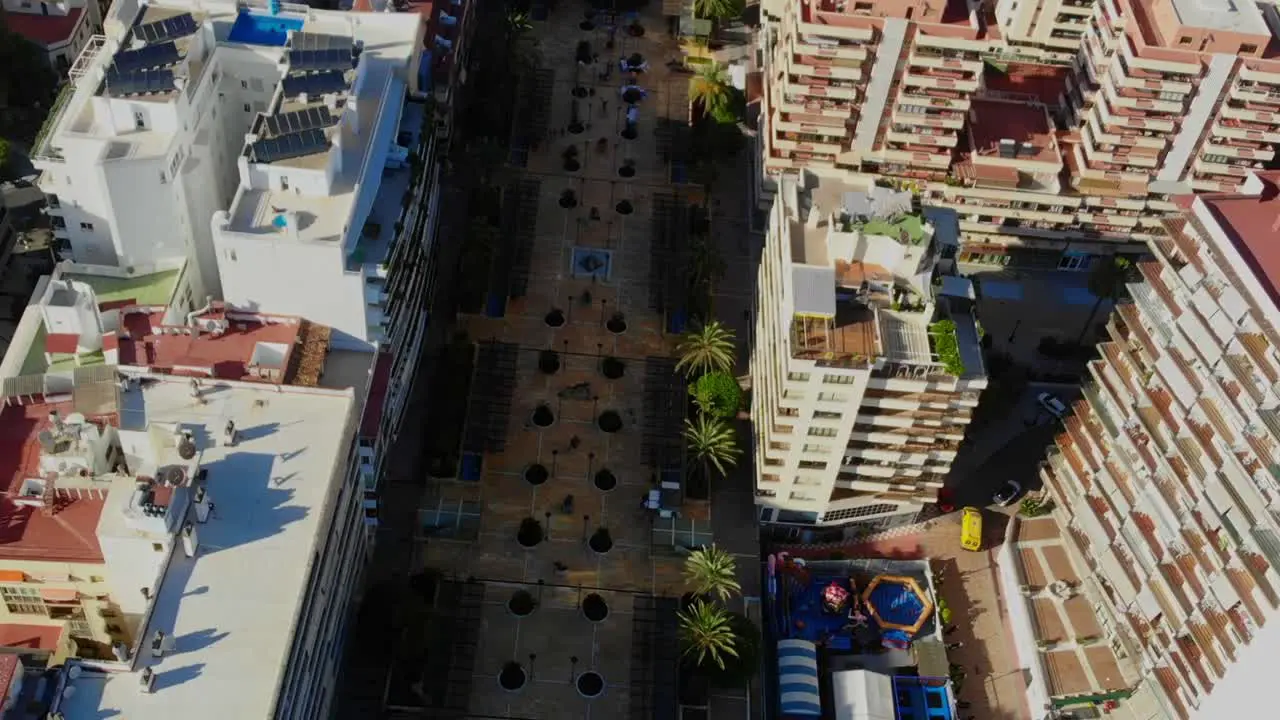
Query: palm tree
{"x": 709, "y": 87}
{"x": 712, "y": 441}
{"x": 1106, "y": 282}
{"x": 705, "y": 633}
{"x": 706, "y": 264}
{"x": 710, "y": 570}
{"x": 706, "y": 348}
{"x": 518, "y": 23}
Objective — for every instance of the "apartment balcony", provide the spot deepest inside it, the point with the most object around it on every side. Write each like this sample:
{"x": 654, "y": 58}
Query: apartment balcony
{"x": 1253, "y": 132}
{"x": 823, "y": 31}
{"x": 926, "y": 59}
{"x": 1259, "y": 76}
{"x": 1252, "y": 114}
{"x": 809, "y": 66}
{"x": 1212, "y": 184}
{"x": 812, "y": 125}
{"x": 1134, "y": 99}
{"x": 1132, "y": 118}
{"x": 937, "y": 99}
{"x": 917, "y": 136}
{"x": 1128, "y": 137}
{"x": 1220, "y": 146}
{"x": 1260, "y": 94}
{"x": 1222, "y": 170}
{"x": 849, "y": 51}
{"x": 938, "y": 119}
{"x": 834, "y": 109}
{"x": 916, "y": 78}
{"x": 820, "y": 88}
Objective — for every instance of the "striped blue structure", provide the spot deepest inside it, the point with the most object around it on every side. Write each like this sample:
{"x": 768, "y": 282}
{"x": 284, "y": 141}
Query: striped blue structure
{"x": 798, "y": 678}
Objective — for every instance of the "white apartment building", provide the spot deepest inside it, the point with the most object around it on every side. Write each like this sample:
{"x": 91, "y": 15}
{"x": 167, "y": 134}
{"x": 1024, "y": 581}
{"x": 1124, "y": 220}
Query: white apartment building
{"x": 1048, "y": 30}
{"x": 289, "y": 153}
{"x": 1165, "y": 476}
{"x": 227, "y": 559}
{"x": 866, "y": 363}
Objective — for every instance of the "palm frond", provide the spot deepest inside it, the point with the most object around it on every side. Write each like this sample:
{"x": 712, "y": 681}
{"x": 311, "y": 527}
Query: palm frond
{"x": 712, "y": 571}
{"x": 712, "y": 440}
{"x": 704, "y": 349}
{"x": 706, "y": 633}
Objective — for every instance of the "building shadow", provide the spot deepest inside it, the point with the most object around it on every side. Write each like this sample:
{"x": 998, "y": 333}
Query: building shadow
{"x": 198, "y": 640}
{"x": 177, "y": 676}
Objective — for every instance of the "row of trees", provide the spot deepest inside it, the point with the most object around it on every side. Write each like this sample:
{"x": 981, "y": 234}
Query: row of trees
{"x": 721, "y": 645}
{"x": 706, "y": 358}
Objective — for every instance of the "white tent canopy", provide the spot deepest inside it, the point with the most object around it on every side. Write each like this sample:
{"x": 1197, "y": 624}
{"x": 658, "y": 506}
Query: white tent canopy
{"x": 862, "y": 695}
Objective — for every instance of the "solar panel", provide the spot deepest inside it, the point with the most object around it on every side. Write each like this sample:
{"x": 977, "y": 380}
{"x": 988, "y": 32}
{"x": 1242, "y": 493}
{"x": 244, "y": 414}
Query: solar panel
{"x": 167, "y": 29}
{"x": 317, "y": 41}
{"x": 297, "y": 121}
{"x": 331, "y": 59}
{"x": 151, "y": 56}
{"x": 138, "y": 82}
{"x": 315, "y": 84}
{"x": 289, "y": 146}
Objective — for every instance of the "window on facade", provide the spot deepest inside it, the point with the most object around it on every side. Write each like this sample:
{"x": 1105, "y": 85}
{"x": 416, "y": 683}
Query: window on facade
{"x": 23, "y": 600}
{"x": 87, "y": 227}
{"x": 832, "y": 397}
{"x": 861, "y": 511}
{"x": 822, "y": 432}
{"x": 813, "y": 465}
{"x": 824, "y": 415}
{"x": 248, "y": 108}
{"x": 816, "y": 448}
{"x": 798, "y": 377}
{"x": 1247, "y": 49}
{"x": 839, "y": 379}
{"x": 1184, "y": 40}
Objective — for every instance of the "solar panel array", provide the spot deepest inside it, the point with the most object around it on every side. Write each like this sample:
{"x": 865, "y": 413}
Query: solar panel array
{"x": 138, "y": 82}
{"x": 297, "y": 121}
{"x": 317, "y": 41}
{"x": 167, "y": 29}
{"x": 331, "y": 59}
{"x": 289, "y": 146}
{"x": 314, "y": 84}
{"x": 151, "y": 56}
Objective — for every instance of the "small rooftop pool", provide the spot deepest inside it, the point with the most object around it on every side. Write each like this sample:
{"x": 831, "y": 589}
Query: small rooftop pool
{"x": 254, "y": 29}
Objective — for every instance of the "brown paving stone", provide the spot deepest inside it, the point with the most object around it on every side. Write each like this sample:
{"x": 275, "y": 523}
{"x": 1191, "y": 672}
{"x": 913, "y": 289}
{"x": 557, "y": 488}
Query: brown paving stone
{"x": 1083, "y": 619}
{"x": 1049, "y": 625}
{"x": 1066, "y": 673}
{"x": 1106, "y": 669}
{"x": 1060, "y": 564}
{"x": 1033, "y": 575}
{"x": 1034, "y": 529}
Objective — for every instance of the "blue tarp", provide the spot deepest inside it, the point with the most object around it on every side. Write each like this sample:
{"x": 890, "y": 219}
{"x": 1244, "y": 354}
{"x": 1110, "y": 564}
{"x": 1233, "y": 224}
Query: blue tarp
{"x": 798, "y": 679}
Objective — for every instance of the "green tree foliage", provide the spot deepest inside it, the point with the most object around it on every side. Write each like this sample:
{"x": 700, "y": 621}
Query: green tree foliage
{"x": 740, "y": 668}
{"x": 1106, "y": 282}
{"x": 705, "y": 348}
{"x": 712, "y": 571}
{"x": 712, "y": 441}
{"x": 709, "y": 88}
{"x": 946, "y": 347}
{"x": 717, "y": 394}
{"x": 706, "y": 634}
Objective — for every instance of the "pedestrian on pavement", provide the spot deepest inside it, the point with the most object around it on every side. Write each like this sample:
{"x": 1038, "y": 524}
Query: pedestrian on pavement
{"x": 948, "y": 629}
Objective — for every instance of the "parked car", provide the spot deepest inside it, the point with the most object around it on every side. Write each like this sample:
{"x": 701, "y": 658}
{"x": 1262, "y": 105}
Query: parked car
{"x": 1052, "y": 405}
{"x": 1007, "y": 493}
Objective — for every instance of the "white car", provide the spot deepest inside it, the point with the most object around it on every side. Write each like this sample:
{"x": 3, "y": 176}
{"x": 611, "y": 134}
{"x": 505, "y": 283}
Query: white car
{"x": 1052, "y": 404}
{"x": 1007, "y": 493}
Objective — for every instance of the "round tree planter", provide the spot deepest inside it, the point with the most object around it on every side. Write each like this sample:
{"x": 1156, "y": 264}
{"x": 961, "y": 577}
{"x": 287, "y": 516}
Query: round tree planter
{"x": 579, "y": 92}
{"x": 624, "y": 207}
{"x": 555, "y": 318}
{"x": 627, "y": 171}
{"x": 594, "y": 608}
{"x": 521, "y": 604}
{"x": 543, "y": 417}
{"x": 590, "y": 684}
{"x": 613, "y": 368}
{"x": 549, "y": 362}
{"x": 512, "y": 677}
{"x": 631, "y": 97}
{"x": 530, "y": 533}
{"x": 576, "y": 128}
{"x": 586, "y": 26}
{"x": 568, "y": 200}
{"x": 635, "y": 30}
{"x": 605, "y": 480}
{"x": 617, "y": 324}
{"x": 536, "y": 474}
{"x": 629, "y": 133}
{"x": 609, "y": 421}
{"x": 601, "y": 541}
{"x": 572, "y": 165}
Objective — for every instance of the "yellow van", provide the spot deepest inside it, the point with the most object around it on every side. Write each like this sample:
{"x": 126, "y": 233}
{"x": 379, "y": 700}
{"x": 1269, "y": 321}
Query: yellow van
{"x": 971, "y": 529}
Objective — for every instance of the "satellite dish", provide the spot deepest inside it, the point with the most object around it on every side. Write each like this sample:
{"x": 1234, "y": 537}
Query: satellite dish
{"x": 74, "y": 672}
{"x": 173, "y": 475}
{"x": 186, "y": 449}
{"x": 76, "y": 419}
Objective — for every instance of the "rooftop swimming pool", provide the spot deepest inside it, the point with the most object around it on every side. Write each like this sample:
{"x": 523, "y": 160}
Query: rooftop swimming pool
{"x": 256, "y": 29}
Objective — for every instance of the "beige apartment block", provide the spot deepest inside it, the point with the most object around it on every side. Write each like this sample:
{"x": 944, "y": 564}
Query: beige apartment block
{"x": 975, "y": 110}
{"x": 858, "y": 413}
{"x": 1165, "y": 475}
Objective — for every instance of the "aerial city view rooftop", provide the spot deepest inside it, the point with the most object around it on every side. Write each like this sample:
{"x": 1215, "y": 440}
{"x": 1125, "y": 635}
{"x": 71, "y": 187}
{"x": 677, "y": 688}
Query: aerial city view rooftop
{"x": 701, "y": 359}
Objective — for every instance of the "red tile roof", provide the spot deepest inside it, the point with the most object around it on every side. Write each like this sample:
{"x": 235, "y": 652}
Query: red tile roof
{"x": 44, "y": 30}
{"x": 27, "y": 533}
{"x": 61, "y": 343}
{"x": 992, "y": 121}
{"x": 143, "y": 342}
{"x": 377, "y": 399}
{"x": 32, "y": 637}
{"x": 1252, "y": 222}
{"x": 1046, "y": 83}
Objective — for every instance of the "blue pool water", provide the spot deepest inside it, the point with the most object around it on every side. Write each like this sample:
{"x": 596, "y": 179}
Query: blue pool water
{"x": 1000, "y": 290}
{"x": 1078, "y": 296}
{"x": 262, "y": 29}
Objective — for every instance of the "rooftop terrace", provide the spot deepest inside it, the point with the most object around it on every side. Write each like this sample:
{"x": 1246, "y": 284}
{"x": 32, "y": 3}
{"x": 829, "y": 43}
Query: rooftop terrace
{"x": 1012, "y": 131}
{"x": 232, "y": 609}
{"x": 1250, "y": 221}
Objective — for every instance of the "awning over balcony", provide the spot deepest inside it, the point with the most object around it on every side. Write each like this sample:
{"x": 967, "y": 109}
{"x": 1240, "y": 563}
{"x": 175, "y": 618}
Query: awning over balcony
{"x": 59, "y": 595}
